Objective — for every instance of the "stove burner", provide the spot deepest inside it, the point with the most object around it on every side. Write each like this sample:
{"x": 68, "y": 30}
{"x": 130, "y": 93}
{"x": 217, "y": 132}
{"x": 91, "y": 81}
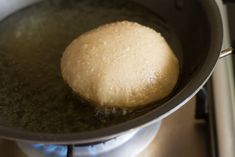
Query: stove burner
{"x": 129, "y": 144}
{"x": 86, "y": 150}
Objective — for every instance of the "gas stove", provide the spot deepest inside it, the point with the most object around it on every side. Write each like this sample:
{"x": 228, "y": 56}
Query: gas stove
{"x": 203, "y": 127}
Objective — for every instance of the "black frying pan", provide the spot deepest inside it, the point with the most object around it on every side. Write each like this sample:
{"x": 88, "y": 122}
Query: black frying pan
{"x": 35, "y": 103}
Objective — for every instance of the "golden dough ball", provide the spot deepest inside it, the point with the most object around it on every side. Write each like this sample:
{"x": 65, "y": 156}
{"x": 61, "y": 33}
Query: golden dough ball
{"x": 121, "y": 64}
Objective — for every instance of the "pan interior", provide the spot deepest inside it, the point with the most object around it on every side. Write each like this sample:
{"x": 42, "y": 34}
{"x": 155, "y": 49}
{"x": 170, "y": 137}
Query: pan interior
{"x": 33, "y": 95}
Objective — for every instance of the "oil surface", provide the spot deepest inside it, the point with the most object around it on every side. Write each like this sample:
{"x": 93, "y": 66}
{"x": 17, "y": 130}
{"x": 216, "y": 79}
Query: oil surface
{"x": 33, "y": 95}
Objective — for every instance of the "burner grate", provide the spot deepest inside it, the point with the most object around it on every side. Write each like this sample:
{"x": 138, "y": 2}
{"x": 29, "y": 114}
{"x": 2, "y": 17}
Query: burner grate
{"x": 70, "y": 149}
